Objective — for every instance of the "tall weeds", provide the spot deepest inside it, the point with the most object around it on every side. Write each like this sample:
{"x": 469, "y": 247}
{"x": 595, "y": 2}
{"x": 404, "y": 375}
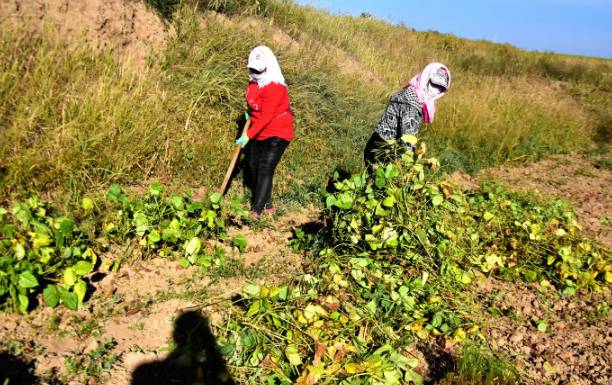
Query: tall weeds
{"x": 74, "y": 119}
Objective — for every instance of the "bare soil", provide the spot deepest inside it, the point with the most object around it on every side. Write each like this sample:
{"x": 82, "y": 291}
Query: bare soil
{"x": 126, "y": 27}
{"x": 575, "y": 348}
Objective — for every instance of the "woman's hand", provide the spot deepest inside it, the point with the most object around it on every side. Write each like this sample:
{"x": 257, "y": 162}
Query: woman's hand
{"x": 243, "y": 140}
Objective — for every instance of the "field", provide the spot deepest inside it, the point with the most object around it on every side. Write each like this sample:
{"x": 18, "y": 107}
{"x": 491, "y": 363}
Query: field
{"x": 483, "y": 258}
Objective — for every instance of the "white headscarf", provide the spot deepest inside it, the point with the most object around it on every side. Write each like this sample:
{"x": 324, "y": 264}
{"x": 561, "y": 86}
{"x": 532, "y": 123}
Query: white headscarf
{"x": 262, "y": 58}
{"x": 438, "y": 74}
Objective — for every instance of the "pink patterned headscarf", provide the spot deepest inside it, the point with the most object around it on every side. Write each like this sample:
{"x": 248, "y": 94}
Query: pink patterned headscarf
{"x": 439, "y": 75}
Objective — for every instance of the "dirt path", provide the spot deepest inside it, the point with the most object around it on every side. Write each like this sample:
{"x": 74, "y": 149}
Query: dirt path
{"x": 130, "y": 320}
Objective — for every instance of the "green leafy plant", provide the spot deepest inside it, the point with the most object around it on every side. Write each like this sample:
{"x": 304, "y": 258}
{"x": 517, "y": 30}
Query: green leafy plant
{"x": 165, "y": 224}
{"x": 398, "y": 246}
{"x": 92, "y": 365}
{"x": 41, "y": 252}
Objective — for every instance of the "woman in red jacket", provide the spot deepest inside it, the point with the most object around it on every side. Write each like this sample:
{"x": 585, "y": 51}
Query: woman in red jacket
{"x": 271, "y": 124}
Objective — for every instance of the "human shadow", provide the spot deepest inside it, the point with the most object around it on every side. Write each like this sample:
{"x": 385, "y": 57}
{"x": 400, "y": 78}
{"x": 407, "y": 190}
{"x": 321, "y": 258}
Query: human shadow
{"x": 337, "y": 174}
{"x": 195, "y": 359}
{"x": 16, "y": 371}
{"x": 439, "y": 361}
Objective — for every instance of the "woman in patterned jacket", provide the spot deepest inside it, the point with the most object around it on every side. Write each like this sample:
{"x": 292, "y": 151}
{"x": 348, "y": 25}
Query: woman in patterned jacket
{"x": 406, "y": 111}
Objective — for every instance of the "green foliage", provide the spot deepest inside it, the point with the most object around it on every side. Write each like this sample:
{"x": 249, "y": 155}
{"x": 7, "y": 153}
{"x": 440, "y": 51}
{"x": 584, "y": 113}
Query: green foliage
{"x": 240, "y": 242}
{"x": 163, "y": 224}
{"x": 478, "y": 366}
{"x": 42, "y": 252}
{"x": 91, "y": 365}
{"x": 399, "y": 211}
{"x": 398, "y": 247}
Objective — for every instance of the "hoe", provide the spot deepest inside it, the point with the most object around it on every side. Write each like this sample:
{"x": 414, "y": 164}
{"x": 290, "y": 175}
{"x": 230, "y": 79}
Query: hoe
{"x": 230, "y": 169}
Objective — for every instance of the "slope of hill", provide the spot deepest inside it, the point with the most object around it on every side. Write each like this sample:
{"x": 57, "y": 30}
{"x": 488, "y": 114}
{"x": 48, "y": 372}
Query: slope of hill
{"x": 77, "y": 117}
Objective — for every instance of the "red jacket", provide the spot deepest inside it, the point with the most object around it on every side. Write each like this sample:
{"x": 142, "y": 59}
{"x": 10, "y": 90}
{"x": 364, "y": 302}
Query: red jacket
{"x": 270, "y": 112}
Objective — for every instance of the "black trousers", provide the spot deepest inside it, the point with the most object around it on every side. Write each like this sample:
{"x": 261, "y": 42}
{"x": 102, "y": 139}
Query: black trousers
{"x": 377, "y": 150}
{"x": 264, "y": 156}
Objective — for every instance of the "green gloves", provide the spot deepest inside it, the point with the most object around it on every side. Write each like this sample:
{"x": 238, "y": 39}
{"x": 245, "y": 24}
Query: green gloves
{"x": 243, "y": 140}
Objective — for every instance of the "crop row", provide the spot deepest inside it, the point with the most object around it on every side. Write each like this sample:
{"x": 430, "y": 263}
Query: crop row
{"x": 42, "y": 252}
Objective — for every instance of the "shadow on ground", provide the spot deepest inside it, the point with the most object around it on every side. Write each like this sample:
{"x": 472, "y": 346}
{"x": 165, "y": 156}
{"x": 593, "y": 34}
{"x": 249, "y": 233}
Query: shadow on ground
{"x": 439, "y": 362}
{"x": 195, "y": 359}
{"x": 15, "y": 371}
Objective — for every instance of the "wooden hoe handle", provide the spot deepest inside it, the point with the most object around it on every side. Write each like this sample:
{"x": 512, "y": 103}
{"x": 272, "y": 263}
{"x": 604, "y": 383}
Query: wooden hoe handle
{"x": 230, "y": 169}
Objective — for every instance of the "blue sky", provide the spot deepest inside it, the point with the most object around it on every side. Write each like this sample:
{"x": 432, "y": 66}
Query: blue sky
{"x": 580, "y": 27}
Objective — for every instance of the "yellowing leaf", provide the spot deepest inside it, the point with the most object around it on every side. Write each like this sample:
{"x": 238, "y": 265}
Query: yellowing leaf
{"x": 109, "y": 227}
{"x": 83, "y": 267}
{"x": 311, "y": 374}
{"x": 354, "y": 368}
{"x": 193, "y": 246}
{"x": 87, "y": 204}
{"x": 465, "y": 278}
{"x": 410, "y": 139}
{"x": 437, "y": 200}
{"x": 459, "y": 335}
{"x": 69, "y": 277}
{"x": 309, "y": 312}
{"x": 251, "y": 290}
{"x": 549, "y": 368}
{"x": 293, "y": 355}
{"x": 80, "y": 289}
{"x": 40, "y": 240}
{"x": 389, "y": 201}
{"x": 254, "y": 309}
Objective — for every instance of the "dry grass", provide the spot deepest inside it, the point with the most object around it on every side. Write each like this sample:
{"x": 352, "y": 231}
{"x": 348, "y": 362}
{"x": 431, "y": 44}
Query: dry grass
{"x": 75, "y": 119}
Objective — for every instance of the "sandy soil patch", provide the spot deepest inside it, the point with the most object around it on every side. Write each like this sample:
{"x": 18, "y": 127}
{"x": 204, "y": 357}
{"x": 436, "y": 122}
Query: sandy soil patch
{"x": 574, "y": 348}
{"x": 126, "y": 27}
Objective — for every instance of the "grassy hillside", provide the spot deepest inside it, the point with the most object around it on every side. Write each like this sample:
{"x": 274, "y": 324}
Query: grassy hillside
{"x": 75, "y": 119}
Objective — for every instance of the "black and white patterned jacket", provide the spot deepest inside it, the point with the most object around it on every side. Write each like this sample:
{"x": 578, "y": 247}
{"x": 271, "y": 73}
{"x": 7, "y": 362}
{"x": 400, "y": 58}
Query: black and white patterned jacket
{"x": 404, "y": 115}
